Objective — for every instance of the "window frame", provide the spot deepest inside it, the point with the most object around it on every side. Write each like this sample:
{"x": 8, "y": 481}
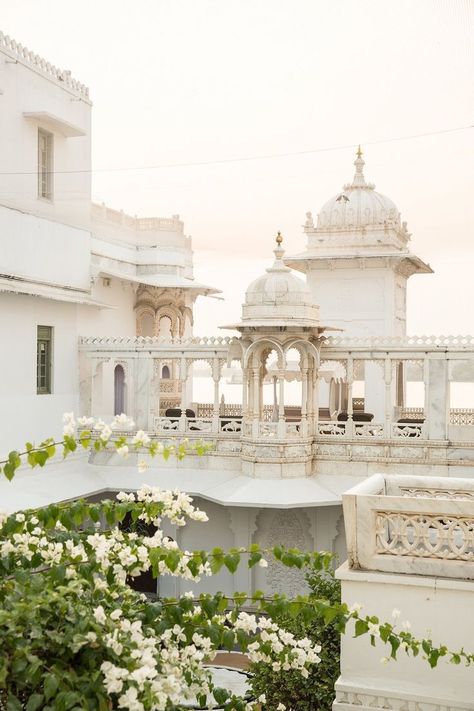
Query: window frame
{"x": 44, "y": 382}
{"x": 45, "y": 167}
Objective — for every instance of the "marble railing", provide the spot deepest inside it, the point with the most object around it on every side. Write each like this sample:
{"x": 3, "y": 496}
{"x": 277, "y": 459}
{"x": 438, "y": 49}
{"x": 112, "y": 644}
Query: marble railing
{"x": 198, "y": 426}
{"x": 418, "y": 525}
{"x": 42, "y": 66}
{"x": 391, "y": 342}
{"x": 462, "y": 416}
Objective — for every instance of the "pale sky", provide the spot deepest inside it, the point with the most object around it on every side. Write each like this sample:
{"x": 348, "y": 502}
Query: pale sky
{"x": 193, "y": 81}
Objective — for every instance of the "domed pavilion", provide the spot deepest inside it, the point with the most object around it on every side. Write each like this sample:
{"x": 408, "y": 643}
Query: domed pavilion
{"x": 278, "y": 317}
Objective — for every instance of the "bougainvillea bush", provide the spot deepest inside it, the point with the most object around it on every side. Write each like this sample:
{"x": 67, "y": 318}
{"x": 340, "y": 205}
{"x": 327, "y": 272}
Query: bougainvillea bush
{"x": 75, "y": 635}
{"x": 314, "y": 690}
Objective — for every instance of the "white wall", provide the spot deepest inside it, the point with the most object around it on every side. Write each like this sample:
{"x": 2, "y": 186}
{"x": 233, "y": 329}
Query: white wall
{"x": 43, "y": 250}
{"x": 26, "y": 90}
{"x": 359, "y": 301}
{"x": 25, "y": 415}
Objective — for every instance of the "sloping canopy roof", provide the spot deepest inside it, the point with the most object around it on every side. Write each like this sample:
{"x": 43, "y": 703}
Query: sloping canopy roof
{"x": 75, "y": 478}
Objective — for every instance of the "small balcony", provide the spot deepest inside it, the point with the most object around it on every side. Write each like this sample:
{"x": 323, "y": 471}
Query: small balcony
{"x": 415, "y": 525}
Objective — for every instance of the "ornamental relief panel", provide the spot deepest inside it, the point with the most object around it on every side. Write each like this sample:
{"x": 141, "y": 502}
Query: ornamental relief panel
{"x": 290, "y": 528}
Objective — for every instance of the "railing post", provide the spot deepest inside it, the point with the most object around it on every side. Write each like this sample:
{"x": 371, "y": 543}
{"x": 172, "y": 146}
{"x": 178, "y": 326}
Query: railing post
{"x": 388, "y": 397}
{"x": 350, "y": 409}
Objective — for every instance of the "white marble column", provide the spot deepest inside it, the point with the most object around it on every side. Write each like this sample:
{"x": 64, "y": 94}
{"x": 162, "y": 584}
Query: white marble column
{"x": 388, "y": 397}
{"x": 216, "y": 379}
{"x": 304, "y": 402}
{"x": 182, "y": 376}
{"x": 142, "y": 390}
{"x": 255, "y": 401}
{"x": 281, "y": 405}
{"x": 437, "y": 410}
{"x": 350, "y": 409}
{"x": 315, "y": 401}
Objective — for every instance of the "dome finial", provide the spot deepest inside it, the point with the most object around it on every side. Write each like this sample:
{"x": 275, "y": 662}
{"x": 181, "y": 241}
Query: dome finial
{"x": 359, "y": 163}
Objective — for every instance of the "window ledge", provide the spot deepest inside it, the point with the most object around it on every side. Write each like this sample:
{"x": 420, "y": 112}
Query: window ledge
{"x": 55, "y": 123}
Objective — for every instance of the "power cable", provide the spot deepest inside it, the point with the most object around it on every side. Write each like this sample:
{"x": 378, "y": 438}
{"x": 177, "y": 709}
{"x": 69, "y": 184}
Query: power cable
{"x": 267, "y": 156}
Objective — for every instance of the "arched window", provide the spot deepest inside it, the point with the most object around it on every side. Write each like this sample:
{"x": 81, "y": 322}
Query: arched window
{"x": 165, "y": 372}
{"x": 147, "y": 323}
{"x": 119, "y": 390}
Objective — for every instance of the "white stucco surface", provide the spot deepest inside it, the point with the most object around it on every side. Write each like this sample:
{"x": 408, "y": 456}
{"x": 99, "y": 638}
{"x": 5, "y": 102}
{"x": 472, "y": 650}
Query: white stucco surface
{"x": 76, "y": 477}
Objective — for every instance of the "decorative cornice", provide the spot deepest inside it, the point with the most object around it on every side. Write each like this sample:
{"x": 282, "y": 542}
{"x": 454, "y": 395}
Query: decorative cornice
{"x": 61, "y": 77}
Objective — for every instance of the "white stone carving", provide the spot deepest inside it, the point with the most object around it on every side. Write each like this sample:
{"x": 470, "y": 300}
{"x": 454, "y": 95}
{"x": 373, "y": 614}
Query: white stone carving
{"x": 332, "y": 429}
{"x": 165, "y": 424}
{"x": 425, "y": 536}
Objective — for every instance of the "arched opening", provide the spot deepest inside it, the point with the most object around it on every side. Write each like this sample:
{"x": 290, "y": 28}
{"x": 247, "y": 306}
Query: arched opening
{"x": 119, "y": 390}
{"x": 147, "y": 324}
{"x": 165, "y": 372}
{"x": 165, "y": 327}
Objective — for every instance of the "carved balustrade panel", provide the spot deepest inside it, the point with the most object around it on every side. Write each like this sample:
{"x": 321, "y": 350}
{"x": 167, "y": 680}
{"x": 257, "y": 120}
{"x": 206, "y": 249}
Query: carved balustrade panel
{"x": 424, "y": 492}
{"x": 332, "y": 429}
{"x": 406, "y": 430}
{"x": 230, "y": 426}
{"x": 199, "y": 424}
{"x": 424, "y": 535}
{"x": 461, "y": 416}
{"x": 267, "y": 429}
{"x": 165, "y": 424}
{"x": 367, "y": 429}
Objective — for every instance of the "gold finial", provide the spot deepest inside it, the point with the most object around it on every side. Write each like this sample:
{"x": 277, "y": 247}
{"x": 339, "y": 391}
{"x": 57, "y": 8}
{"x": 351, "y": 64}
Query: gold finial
{"x": 359, "y": 152}
{"x": 279, "y": 239}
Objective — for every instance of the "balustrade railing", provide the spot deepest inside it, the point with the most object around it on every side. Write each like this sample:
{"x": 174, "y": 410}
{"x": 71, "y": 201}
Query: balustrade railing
{"x": 268, "y": 429}
{"x": 368, "y": 429}
{"x": 412, "y": 413}
{"x": 402, "y": 429}
{"x": 165, "y": 424}
{"x": 461, "y": 416}
{"x": 332, "y": 429}
{"x": 199, "y": 424}
{"x": 419, "y": 525}
{"x": 230, "y": 426}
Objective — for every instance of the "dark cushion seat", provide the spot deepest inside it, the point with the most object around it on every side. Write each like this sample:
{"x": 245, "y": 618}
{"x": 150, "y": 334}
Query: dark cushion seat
{"x": 357, "y": 416}
{"x": 176, "y": 412}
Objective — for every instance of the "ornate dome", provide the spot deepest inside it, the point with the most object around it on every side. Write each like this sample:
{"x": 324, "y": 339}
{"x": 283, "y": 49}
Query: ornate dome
{"x": 358, "y": 206}
{"x": 279, "y": 297}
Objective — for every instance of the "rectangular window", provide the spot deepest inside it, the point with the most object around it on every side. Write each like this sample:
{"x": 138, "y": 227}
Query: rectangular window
{"x": 45, "y": 164}
{"x": 44, "y": 357}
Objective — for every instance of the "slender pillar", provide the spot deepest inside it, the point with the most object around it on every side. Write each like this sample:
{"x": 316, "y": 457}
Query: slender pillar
{"x": 216, "y": 378}
{"x": 350, "y": 409}
{"x": 158, "y": 387}
{"x": 245, "y": 392}
{"x": 255, "y": 401}
{"x": 182, "y": 377}
{"x": 315, "y": 401}
{"x": 304, "y": 402}
{"x": 281, "y": 406}
{"x": 388, "y": 397}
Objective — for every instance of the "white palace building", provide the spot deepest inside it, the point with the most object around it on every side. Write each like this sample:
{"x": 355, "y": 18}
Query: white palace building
{"x": 96, "y": 317}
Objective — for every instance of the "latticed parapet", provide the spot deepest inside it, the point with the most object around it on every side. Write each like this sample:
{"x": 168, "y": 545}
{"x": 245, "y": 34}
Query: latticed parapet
{"x": 62, "y": 77}
{"x": 413, "y": 525}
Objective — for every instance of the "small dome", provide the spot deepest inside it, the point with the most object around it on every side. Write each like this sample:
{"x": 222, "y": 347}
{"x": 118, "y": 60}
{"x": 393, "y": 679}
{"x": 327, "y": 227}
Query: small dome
{"x": 359, "y": 205}
{"x": 279, "y": 297}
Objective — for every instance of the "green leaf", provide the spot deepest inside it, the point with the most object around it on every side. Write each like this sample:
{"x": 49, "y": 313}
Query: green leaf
{"x": 361, "y": 627}
{"x": 13, "y": 704}
{"x": 35, "y": 702}
{"x": 231, "y": 561}
{"x": 220, "y": 695}
{"x": 50, "y": 686}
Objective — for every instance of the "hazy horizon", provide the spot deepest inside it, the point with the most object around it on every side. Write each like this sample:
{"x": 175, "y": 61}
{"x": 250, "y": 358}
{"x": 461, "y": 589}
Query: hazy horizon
{"x": 198, "y": 81}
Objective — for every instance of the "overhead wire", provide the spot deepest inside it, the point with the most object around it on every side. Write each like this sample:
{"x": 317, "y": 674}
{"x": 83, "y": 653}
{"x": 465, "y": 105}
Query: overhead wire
{"x": 241, "y": 159}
